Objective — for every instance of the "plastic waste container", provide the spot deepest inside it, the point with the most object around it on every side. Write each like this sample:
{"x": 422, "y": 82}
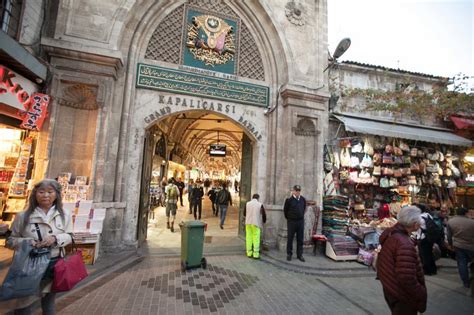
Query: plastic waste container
{"x": 192, "y": 242}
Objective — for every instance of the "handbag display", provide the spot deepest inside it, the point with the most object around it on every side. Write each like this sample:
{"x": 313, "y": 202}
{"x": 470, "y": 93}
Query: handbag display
{"x": 393, "y": 182}
{"x": 343, "y": 174}
{"x": 415, "y": 167}
{"x": 404, "y": 146}
{"x": 377, "y": 170}
{"x": 69, "y": 271}
{"x": 397, "y": 159}
{"x": 397, "y": 151}
{"x": 355, "y": 162}
{"x": 384, "y": 182}
{"x": 345, "y": 158}
{"x": 397, "y": 172}
{"x": 412, "y": 180}
{"x": 368, "y": 148}
{"x": 406, "y": 171}
{"x": 367, "y": 161}
{"x": 377, "y": 159}
{"x": 387, "y": 171}
{"x": 357, "y": 148}
{"x": 387, "y": 159}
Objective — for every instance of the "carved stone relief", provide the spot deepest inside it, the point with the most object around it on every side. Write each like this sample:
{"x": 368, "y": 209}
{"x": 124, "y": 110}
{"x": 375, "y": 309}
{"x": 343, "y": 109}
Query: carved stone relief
{"x": 165, "y": 43}
{"x": 295, "y": 13}
{"x": 305, "y": 127}
{"x": 80, "y": 96}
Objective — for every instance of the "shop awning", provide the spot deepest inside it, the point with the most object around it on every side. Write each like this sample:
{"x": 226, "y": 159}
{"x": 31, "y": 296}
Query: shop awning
{"x": 394, "y": 130}
{"x": 463, "y": 122}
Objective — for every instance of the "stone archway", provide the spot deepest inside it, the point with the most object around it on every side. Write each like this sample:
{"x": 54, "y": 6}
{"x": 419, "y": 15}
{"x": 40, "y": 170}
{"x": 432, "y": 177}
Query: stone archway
{"x": 144, "y": 107}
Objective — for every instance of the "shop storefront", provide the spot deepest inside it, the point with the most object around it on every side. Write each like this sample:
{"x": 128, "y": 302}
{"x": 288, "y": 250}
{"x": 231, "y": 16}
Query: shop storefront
{"x": 373, "y": 168}
{"x": 22, "y": 113}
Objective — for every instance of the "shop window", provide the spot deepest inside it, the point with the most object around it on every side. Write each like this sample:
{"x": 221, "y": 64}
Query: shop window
{"x": 10, "y": 16}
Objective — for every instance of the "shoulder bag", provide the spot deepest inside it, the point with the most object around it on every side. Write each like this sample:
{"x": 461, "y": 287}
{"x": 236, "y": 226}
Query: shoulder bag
{"x": 69, "y": 271}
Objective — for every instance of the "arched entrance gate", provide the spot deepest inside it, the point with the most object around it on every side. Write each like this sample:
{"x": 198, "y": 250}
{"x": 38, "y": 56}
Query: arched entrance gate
{"x": 197, "y": 56}
{"x": 186, "y": 128}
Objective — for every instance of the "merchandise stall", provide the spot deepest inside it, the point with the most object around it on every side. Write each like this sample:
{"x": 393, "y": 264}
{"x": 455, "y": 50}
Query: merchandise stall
{"x": 22, "y": 113}
{"x": 88, "y": 222}
{"x": 465, "y": 190}
{"x": 379, "y": 175}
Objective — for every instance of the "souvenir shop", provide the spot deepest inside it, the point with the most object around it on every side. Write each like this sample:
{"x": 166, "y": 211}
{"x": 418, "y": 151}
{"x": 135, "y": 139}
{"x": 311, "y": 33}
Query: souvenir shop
{"x": 22, "y": 113}
{"x": 371, "y": 173}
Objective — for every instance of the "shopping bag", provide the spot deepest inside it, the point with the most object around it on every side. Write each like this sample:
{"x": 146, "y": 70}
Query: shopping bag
{"x": 25, "y": 273}
{"x": 68, "y": 272}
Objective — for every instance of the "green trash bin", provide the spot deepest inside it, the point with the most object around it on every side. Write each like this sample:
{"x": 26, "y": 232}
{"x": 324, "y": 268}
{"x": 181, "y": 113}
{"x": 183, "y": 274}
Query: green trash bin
{"x": 192, "y": 242}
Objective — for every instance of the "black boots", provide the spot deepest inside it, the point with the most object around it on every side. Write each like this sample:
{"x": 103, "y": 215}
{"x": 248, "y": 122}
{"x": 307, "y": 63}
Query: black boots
{"x": 167, "y": 225}
{"x": 172, "y": 228}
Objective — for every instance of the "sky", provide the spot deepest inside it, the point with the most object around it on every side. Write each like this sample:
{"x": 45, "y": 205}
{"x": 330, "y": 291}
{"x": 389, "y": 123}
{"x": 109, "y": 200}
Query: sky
{"x": 428, "y": 36}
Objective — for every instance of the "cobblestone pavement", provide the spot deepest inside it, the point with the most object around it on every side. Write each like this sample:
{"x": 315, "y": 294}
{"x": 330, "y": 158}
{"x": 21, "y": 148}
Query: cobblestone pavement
{"x": 234, "y": 284}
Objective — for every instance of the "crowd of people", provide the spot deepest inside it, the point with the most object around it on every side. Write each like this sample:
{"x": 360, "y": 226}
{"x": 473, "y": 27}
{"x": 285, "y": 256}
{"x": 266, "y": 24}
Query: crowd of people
{"x": 173, "y": 191}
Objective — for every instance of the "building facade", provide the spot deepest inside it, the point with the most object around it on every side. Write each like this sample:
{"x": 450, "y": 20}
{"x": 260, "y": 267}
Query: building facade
{"x": 117, "y": 71}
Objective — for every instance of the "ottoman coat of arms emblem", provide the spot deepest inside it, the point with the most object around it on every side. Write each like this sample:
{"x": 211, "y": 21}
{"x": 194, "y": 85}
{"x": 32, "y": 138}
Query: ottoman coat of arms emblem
{"x": 211, "y": 40}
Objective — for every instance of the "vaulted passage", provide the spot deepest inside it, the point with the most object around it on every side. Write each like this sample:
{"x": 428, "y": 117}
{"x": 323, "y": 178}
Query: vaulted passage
{"x": 204, "y": 148}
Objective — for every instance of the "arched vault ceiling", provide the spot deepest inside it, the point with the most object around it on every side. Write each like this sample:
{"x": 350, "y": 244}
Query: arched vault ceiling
{"x": 195, "y": 131}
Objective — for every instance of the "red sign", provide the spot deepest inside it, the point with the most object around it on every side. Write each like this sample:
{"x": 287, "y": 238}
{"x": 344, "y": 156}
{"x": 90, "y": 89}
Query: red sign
{"x": 6, "y": 84}
{"x": 35, "y": 114}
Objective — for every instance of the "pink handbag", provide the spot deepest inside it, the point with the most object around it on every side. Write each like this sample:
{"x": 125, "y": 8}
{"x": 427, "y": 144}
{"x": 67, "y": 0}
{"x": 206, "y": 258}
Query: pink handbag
{"x": 68, "y": 271}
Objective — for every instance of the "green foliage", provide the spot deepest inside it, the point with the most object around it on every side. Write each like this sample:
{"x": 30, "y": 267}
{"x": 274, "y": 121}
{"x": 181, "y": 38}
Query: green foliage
{"x": 408, "y": 100}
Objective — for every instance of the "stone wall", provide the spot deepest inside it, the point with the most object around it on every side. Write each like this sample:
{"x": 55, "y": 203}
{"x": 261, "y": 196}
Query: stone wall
{"x": 98, "y": 44}
{"x": 349, "y": 76}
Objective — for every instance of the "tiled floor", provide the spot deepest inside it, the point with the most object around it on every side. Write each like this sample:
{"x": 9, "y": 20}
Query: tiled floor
{"x": 161, "y": 240}
{"x": 237, "y": 285}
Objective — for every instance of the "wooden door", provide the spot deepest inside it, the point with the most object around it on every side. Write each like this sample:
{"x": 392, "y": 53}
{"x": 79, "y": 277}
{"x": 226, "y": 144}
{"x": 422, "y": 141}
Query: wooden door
{"x": 145, "y": 187}
{"x": 245, "y": 180}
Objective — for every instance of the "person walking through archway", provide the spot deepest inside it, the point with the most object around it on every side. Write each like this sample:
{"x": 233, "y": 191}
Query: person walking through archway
{"x": 190, "y": 191}
{"x": 294, "y": 209}
{"x": 172, "y": 194}
{"x": 196, "y": 199}
{"x": 223, "y": 200}
{"x": 180, "y": 185}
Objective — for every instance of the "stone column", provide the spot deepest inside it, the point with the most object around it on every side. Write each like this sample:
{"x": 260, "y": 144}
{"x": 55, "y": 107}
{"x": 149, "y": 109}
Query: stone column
{"x": 304, "y": 117}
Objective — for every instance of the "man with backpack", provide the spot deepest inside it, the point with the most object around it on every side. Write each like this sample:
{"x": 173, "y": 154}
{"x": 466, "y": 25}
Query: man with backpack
{"x": 428, "y": 234}
{"x": 223, "y": 200}
{"x": 172, "y": 194}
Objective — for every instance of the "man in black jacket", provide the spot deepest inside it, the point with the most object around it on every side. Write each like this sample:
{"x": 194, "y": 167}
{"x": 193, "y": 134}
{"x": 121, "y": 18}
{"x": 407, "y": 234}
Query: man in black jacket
{"x": 294, "y": 214}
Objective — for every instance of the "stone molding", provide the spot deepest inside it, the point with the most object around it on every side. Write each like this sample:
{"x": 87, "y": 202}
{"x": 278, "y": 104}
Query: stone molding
{"x": 107, "y": 62}
{"x": 301, "y": 96}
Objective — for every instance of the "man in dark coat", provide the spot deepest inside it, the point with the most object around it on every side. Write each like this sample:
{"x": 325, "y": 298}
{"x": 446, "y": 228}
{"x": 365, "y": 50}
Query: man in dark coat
{"x": 294, "y": 214}
{"x": 180, "y": 185}
{"x": 399, "y": 267}
{"x": 196, "y": 199}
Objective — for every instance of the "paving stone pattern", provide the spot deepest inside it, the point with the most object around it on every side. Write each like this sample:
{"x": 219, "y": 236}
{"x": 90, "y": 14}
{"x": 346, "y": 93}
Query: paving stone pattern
{"x": 210, "y": 289}
{"x": 237, "y": 285}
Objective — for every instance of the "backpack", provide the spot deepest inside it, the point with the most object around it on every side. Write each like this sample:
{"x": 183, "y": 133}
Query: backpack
{"x": 222, "y": 197}
{"x": 434, "y": 230}
{"x": 173, "y": 193}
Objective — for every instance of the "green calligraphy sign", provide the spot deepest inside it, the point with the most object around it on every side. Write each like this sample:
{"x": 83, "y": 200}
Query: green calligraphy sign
{"x": 184, "y": 82}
